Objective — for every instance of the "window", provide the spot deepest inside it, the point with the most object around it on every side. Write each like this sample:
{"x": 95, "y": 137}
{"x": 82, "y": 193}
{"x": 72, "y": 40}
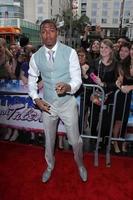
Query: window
{"x": 116, "y": 13}
{"x": 7, "y": 1}
{"x": 40, "y": 9}
{"x": 94, "y": 13}
{"x": 40, "y": 1}
{"x": 83, "y": 7}
{"x": 94, "y": 5}
{"x": 117, "y": 5}
{"x": 93, "y": 21}
{"x": 104, "y": 21}
{"x": 83, "y": 13}
{"x": 16, "y": 14}
{"x": 84, "y": 1}
{"x": 128, "y": 4}
{"x": 127, "y": 13}
{"x": 40, "y": 18}
{"x": 126, "y": 21}
{"x": 115, "y": 21}
{"x": 104, "y": 13}
{"x": 105, "y": 5}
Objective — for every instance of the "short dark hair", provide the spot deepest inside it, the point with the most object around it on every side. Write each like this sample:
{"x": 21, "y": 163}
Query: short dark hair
{"x": 126, "y": 44}
{"x": 48, "y": 21}
{"x": 24, "y": 40}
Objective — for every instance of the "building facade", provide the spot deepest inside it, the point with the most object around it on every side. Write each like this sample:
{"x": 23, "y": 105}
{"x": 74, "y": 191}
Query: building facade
{"x": 43, "y": 9}
{"x": 12, "y": 9}
{"x": 106, "y": 12}
{"x": 112, "y": 15}
{"x": 30, "y": 14}
{"x": 12, "y": 20}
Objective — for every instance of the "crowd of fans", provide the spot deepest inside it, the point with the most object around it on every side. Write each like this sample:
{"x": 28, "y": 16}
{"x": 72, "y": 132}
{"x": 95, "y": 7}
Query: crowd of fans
{"x": 14, "y": 64}
{"x": 112, "y": 65}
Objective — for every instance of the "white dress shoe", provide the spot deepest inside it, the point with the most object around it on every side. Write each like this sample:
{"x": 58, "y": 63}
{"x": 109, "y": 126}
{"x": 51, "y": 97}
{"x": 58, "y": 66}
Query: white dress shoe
{"x": 46, "y": 175}
{"x": 83, "y": 173}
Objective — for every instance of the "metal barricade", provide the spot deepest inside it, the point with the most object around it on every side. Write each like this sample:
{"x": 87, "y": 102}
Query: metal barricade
{"x": 90, "y": 136}
{"x": 110, "y": 137}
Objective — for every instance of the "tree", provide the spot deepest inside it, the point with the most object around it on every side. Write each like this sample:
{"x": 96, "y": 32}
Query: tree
{"x": 78, "y": 24}
{"x": 81, "y": 22}
{"x": 72, "y": 26}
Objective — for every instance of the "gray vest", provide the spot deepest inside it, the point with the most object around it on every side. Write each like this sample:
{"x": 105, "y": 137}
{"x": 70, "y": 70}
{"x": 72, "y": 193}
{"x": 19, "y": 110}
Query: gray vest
{"x": 58, "y": 72}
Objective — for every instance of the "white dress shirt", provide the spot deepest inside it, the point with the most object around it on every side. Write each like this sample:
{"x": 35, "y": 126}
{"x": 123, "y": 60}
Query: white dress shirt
{"x": 74, "y": 67}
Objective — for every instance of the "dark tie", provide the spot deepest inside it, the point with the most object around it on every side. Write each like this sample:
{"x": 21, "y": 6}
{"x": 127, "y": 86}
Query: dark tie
{"x": 51, "y": 56}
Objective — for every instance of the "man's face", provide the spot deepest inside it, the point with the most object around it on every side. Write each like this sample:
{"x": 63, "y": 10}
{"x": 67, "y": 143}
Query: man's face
{"x": 49, "y": 35}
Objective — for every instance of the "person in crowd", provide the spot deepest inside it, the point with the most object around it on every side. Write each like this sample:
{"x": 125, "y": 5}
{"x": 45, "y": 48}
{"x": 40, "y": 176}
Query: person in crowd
{"x": 85, "y": 41}
{"x": 12, "y": 133}
{"x": 105, "y": 71}
{"x": 125, "y": 84}
{"x": 61, "y": 141}
{"x": 15, "y": 49}
{"x": 28, "y": 51}
{"x": 82, "y": 55}
{"x": 97, "y": 33}
{"x": 120, "y": 42}
{"x": 7, "y": 71}
{"x": 18, "y": 57}
{"x": 61, "y": 74}
{"x": 116, "y": 50}
{"x": 94, "y": 51}
{"x": 6, "y": 68}
{"x": 24, "y": 40}
{"x": 24, "y": 70}
{"x": 90, "y": 34}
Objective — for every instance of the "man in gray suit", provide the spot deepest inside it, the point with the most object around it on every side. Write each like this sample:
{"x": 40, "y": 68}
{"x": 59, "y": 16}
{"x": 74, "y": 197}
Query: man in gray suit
{"x": 61, "y": 76}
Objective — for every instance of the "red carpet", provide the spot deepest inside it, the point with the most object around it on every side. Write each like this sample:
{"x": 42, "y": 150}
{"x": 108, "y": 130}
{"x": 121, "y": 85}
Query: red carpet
{"x": 21, "y": 167}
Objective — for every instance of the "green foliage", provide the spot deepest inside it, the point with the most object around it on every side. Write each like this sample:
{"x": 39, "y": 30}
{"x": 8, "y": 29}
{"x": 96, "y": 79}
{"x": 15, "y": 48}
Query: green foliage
{"x": 78, "y": 24}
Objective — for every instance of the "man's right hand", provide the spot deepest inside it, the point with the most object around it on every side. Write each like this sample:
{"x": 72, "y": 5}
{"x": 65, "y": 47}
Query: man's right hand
{"x": 42, "y": 105}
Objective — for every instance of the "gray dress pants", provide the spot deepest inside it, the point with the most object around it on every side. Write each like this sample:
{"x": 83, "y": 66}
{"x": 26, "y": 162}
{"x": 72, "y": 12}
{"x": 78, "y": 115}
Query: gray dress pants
{"x": 68, "y": 113}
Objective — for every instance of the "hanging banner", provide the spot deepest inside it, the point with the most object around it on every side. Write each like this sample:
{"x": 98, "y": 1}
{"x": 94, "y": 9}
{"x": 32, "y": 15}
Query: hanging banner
{"x": 17, "y": 109}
